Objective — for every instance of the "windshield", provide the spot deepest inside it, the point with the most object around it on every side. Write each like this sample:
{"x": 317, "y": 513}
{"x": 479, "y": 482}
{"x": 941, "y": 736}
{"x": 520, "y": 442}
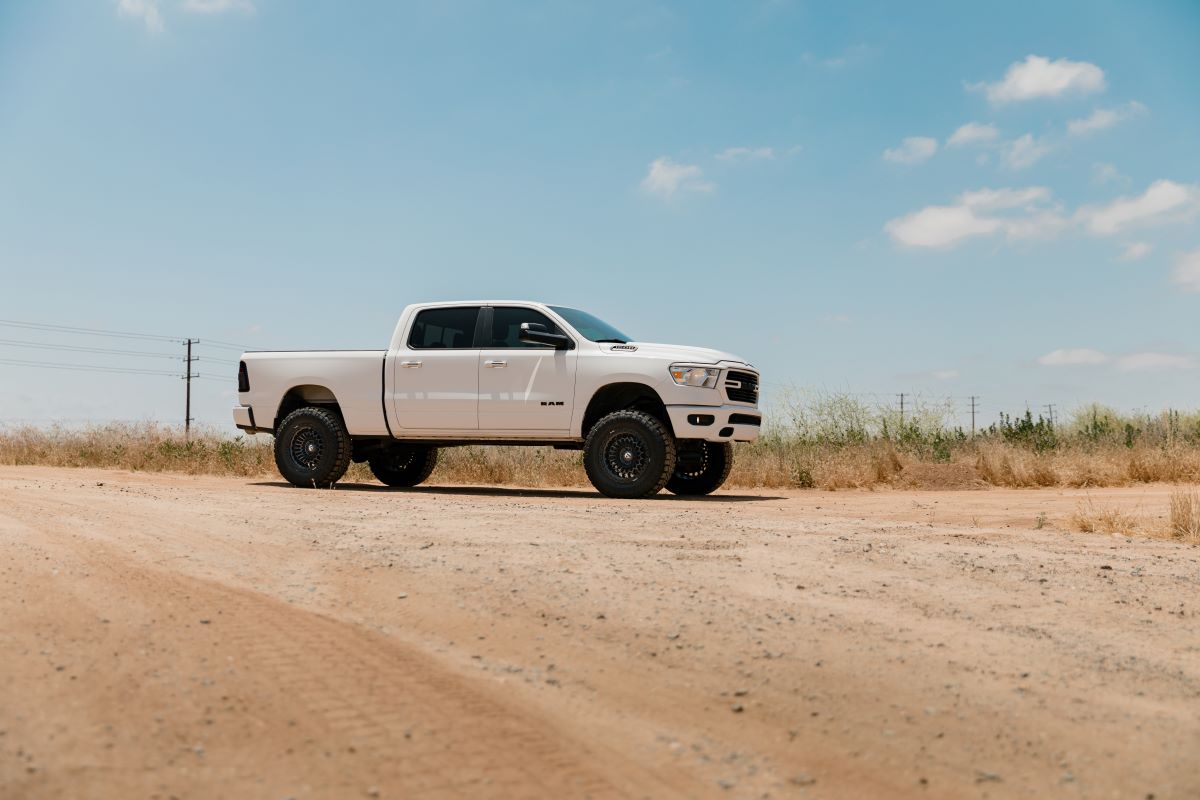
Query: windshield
{"x": 592, "y": 328}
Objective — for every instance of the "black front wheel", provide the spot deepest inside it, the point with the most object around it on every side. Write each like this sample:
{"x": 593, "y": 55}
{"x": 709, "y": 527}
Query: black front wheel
{"x": 629, "y": 454}
{"x": 701, "y": 467}
{"x": 404, "y": 465}
{"x": 312, "y": 448}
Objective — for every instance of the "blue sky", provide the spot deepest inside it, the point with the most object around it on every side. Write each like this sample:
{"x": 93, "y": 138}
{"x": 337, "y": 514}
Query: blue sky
{"x": 949, "y": 199}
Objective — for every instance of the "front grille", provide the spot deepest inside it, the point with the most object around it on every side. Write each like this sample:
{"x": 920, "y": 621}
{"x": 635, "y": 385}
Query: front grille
{"x": 741, "y": 387}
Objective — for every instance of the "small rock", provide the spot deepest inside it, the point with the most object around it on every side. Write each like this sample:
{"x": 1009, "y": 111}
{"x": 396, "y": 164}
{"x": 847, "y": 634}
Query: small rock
{"x": 737, "y": 708}
{"x": 803, "y": 779}
{"x": 986, "y": 777}
{"x": 205, "y": 621}
{"x": 740, "y": 692}
{"x": 726, "y": 783}
{"x": 401, "y": 596}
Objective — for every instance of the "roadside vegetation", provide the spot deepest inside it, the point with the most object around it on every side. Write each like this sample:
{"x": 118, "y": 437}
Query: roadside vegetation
{"x": 827, "y": 441}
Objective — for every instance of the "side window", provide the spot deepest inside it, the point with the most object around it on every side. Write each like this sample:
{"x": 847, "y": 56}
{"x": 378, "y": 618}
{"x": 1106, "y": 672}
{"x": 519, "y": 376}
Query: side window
{"x": 448, "y": 328}
{"x": 506, "y": 326}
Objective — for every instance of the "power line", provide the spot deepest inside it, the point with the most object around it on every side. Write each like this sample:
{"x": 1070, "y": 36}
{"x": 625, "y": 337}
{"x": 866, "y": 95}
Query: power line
{"x": 41, "y": 326}
{"x": 229, "y": 345}
{"x": 82, "y": 349}
{"x": 85, "y": 367}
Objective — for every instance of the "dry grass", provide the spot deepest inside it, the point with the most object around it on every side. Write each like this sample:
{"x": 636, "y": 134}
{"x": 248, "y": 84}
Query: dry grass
{"x": 1092, "y": 518}
{"x": 773, "y": 462}
{"x": 1185, "y": 516}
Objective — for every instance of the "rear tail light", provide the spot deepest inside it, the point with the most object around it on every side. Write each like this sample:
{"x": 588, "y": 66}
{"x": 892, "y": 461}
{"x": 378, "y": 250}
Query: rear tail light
{"x": 243, "y": 378}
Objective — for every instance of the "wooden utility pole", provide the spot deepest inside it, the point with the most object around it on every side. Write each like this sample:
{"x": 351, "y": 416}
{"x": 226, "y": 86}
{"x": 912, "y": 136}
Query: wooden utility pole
{"x": 187, "y": 377}
{"x": 974, "y": 406}
{"x": 1050, "y": 410}
{"x": 902, "y": 409}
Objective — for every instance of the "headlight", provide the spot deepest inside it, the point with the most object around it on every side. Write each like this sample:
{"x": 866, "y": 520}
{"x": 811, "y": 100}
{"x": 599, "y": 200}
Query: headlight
{"x": 694, "y": 376}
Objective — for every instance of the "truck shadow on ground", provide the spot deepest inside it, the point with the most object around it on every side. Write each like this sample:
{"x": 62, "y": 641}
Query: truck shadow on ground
{"x": 512, "y": 491}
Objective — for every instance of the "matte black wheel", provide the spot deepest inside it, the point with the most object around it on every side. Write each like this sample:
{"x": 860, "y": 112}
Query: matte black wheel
{"x": 701, "y": 467}
{"x": 629, "y": 454}
{"x": 312, "y": 448}
{"x": 404, "y": 465}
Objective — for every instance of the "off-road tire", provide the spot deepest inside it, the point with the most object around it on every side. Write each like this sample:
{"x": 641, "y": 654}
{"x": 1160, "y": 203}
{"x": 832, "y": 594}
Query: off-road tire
{"x": 706, "y": 477}
{"x": 404, "y": 465}
{"x": 312, "y": 448}
{"x": 629, "y": 454}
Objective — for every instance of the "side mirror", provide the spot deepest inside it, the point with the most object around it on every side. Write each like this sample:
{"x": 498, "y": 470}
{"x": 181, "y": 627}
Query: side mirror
{"x": 536, "y": 333}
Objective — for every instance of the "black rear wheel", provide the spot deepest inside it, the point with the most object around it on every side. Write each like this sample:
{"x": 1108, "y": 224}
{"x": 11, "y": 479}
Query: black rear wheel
{"x": 629, "y": 454}
{"x": 404, "y": 464}
{"x": 312, "y": 448}
{"x": 701, "y": 467}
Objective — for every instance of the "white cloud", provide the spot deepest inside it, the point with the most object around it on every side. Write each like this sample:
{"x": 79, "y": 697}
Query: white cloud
{"x": 1187, "y": 271}
{"x": 1136, "y": 251}
{"x": 972, "y": 133}
{"x": 666, "y": 177}
{"x": 218, "y": 6}
{"x": 939, "y": 227}
{"x": 1032, "y": 212}
{"x": 145, "y": 10}
{"x": 1073, "y": 357}
{"x": 746, "y": 154}
{"x": 1103, "y": 118}
{"x": 1154, "y": 361}
{"x": 1025, "y": 151}
{"x": 944, "y": 374}
{"x": 1106, "y": 173}
{"x": 1038, "y": 76}
{"x": 913, "y": 150}
{"x": 991, "y": 199}
{"x": 1163, "y": 201}
{"x": 978, "y": 213}
{"x": 1040, "y": 225}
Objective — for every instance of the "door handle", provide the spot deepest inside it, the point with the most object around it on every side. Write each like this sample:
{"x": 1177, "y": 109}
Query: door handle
{"x": 410, "y": 364}
{"x": 495, "y": 364}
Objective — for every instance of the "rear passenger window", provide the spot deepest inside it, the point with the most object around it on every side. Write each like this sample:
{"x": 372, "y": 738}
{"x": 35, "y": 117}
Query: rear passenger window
{"x": 448, "y": 328}
{"x": 506, "y": 326}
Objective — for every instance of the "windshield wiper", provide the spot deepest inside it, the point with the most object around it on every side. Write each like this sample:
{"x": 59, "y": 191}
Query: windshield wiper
{"x": 611, "y": 341}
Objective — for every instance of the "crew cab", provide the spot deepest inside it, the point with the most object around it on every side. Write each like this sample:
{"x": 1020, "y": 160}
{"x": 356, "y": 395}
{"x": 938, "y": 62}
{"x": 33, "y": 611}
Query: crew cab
{"x": 504, "y": 373}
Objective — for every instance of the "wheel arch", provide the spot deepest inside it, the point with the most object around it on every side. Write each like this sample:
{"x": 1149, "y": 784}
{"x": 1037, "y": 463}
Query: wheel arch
{"x": 621, "y": 396}
{"x": 302, "y": 395}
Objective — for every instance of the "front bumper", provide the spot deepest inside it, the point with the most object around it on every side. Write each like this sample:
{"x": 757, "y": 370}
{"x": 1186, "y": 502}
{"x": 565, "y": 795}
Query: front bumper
{"x": 716, "y": 423}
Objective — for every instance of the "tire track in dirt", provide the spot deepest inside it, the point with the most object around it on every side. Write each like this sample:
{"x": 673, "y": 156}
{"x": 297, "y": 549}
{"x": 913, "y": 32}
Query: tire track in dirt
{"x": 415, "y": 727}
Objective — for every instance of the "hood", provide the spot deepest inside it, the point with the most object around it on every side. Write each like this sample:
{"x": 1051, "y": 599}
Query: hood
{"x": 675, "y": 352}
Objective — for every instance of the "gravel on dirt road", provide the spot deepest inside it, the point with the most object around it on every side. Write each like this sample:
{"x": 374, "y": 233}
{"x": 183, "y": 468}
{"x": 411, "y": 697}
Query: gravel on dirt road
{"x": 167, "y": 635}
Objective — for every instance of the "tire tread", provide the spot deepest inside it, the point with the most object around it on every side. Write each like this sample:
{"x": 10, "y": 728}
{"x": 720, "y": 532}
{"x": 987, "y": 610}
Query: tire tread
{"x": 654, "y": 426}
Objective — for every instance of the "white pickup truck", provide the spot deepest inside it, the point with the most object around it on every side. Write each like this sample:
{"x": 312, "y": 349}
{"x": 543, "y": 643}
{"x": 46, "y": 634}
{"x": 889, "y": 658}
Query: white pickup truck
{"x": 504, "y": 373}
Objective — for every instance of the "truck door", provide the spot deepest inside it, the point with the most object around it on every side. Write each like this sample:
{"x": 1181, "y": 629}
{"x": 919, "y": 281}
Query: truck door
{"x": 437, "y": 373}
{"x": 526, "y": 388}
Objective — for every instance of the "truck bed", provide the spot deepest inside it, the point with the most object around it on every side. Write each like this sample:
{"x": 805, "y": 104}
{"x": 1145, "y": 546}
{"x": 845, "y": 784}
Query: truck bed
{"x": 355, "y": 377}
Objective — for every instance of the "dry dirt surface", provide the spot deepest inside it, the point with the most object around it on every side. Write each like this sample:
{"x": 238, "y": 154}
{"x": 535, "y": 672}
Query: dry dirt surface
{"x": 196, "y": 637}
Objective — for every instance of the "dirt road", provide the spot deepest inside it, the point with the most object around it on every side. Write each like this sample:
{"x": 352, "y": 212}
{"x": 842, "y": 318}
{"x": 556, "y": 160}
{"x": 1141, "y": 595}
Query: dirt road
{"x": 173, "y": 636}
